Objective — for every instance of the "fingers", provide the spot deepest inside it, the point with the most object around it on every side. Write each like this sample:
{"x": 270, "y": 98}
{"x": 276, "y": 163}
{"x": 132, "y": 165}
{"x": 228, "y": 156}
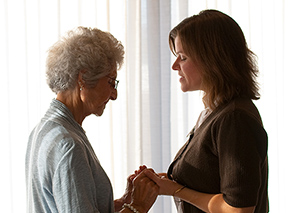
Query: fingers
{"x": 140, "y": 177}
{"x": 152, "y": 175}
{"x": 141, "y": 168}
{"x": 145, "y": 192}
{"x": 146, "y": 183}
{"x": 131, "y": 177}
{"x": 163, "y": 175}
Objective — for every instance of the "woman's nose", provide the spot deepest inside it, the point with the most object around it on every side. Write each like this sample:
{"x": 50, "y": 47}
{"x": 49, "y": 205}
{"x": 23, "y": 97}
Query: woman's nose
{"x": 113, "y": 96}
{"x": 175, "y": 65}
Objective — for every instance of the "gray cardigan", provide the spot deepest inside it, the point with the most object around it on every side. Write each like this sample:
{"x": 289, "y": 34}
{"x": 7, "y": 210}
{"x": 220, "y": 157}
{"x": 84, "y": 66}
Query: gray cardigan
{"x": 63, "y": 173}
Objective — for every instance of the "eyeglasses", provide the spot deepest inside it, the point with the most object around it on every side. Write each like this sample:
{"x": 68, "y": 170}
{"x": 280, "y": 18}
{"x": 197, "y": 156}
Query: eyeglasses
{"x": 114, "y": 83}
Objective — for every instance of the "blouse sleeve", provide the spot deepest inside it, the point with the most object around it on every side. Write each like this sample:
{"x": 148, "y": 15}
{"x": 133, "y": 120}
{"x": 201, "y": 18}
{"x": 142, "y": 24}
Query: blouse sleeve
{"x": 242, "y": 151}
{"x": 73, "y": 183}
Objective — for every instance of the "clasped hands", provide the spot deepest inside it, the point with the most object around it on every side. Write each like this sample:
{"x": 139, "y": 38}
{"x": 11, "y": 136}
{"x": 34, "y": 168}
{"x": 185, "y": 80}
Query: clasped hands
{"x": 144, "y": 186}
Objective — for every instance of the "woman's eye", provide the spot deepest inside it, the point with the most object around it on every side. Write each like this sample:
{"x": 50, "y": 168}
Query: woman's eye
{"x": 182, "y": 57}
{"x": 112, "y": 83}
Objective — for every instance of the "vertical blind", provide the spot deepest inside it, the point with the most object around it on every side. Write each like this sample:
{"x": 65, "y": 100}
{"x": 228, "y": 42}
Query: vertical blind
{"x": 149, "y": 121}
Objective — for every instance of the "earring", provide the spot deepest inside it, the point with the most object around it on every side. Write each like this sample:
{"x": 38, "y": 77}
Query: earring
{"x": 81, "y": 86}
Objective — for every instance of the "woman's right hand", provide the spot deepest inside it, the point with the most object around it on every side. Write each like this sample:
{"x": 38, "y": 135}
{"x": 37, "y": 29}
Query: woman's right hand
{"x": 166, "y": 186}
{"x": 203, "y": 201}
{"x": 145, "y": 192}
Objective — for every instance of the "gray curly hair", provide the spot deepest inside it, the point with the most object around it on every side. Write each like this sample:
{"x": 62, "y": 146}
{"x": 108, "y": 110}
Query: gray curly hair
{"x": 91, "y": 51}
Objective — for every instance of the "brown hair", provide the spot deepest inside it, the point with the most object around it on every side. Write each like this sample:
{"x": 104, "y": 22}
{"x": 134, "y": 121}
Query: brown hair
{"x": 218, "y": 43}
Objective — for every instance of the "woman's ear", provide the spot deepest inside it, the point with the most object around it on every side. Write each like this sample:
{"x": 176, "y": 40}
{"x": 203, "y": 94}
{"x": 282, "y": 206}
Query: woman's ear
{"x": 80, "y": 81}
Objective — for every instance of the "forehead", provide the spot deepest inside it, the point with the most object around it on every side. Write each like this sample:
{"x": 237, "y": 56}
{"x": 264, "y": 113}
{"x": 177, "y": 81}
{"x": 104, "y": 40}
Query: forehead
{"x": 178, "y": 45}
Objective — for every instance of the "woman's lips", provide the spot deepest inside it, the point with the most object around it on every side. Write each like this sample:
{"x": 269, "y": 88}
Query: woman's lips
{"x": 181, "y": 78}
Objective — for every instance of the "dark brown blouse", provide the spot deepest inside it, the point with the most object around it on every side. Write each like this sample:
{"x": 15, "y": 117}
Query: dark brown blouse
{"x": 226, "y": 154}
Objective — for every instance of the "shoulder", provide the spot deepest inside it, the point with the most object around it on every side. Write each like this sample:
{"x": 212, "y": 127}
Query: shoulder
{"x": 52, "y": 141}
{"x": 237, "y": 120}
{"x": 239, "y": 126}
{"x": 238, "y": 110}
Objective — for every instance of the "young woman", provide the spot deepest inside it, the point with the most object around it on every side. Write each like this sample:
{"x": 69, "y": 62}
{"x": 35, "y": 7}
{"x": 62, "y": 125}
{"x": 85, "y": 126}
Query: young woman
{"x": 223, "y": 166}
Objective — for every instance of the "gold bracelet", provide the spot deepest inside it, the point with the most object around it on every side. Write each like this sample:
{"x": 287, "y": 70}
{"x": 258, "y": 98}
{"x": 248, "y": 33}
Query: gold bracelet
{"x": 178, "y": 190}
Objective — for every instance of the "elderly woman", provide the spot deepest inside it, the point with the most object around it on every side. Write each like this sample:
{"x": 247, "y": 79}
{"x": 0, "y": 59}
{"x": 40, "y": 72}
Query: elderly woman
{"x": 63, "y": 173}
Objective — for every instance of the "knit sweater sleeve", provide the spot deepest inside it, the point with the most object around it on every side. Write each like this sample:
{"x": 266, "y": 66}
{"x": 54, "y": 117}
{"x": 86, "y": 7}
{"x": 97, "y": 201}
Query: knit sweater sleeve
{"x": 73, "y": 183}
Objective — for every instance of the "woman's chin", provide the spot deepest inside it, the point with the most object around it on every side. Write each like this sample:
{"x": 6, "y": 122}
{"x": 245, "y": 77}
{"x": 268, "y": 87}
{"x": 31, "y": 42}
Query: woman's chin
{"x": 184, "y": 89}
{"x": 100, "y": 111}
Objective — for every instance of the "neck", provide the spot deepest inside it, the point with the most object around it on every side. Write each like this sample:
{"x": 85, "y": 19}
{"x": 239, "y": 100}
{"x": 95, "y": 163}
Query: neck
{"x": 73, "y": 102}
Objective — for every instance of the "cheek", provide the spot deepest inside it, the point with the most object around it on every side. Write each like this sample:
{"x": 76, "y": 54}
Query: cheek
{"x": 189, "y": 72}
{"x": 92, "y": 98}
{"x": 193, "y": 78}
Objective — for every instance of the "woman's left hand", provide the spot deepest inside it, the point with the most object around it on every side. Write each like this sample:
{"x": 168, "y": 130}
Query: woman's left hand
{"x": 145, "y": 192}
{"x": 166, "y": 186}
{"x": 127, "y": 196}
